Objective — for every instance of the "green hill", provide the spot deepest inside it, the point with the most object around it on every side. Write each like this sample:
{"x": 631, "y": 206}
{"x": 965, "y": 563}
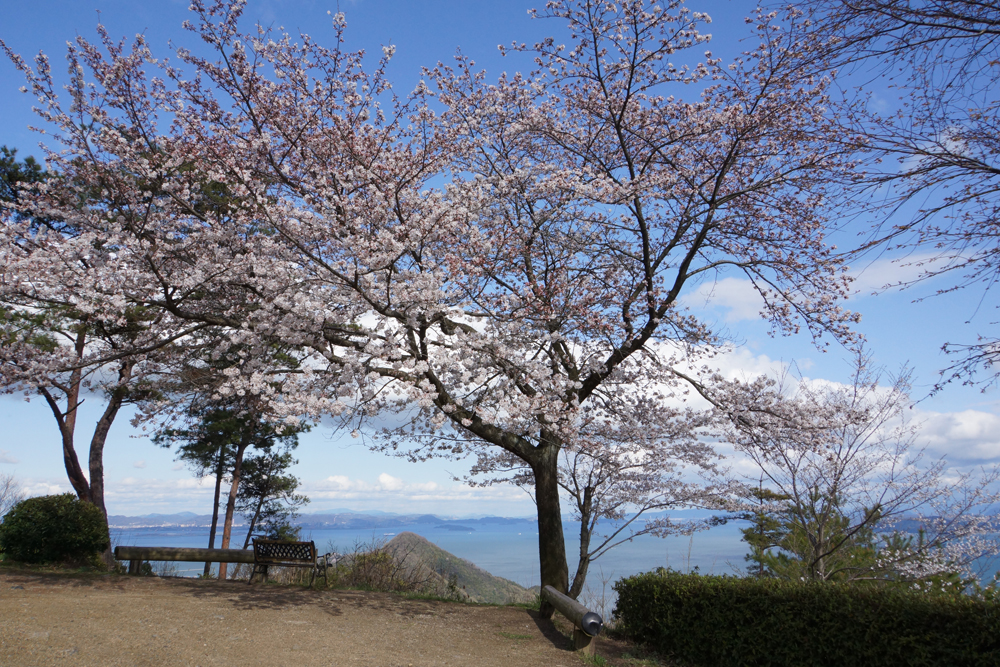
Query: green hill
{"x": 456, "y": 576}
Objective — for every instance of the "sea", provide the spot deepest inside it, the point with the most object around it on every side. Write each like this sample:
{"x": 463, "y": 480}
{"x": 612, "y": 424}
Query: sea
{"x": 506, "y": 549}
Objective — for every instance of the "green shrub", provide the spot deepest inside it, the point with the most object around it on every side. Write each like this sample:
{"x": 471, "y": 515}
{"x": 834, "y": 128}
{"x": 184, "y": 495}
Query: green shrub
{"x": 51, "y": 529}
{"x": 723, "y": 621}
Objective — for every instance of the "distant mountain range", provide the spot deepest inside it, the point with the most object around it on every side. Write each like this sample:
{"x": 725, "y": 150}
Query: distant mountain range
{"x": 332, "y": 520}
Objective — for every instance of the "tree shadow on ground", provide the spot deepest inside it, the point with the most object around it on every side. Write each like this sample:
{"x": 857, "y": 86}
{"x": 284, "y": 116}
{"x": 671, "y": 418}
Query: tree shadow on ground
{"x": 553, "y": 629}
{"x": 27, "y": 577}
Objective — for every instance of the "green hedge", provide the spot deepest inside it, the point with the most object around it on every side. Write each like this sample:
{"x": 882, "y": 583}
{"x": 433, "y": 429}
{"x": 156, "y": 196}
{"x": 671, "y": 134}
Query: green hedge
{"x": 50, "y": 529}
{"x": 714, "y": 621}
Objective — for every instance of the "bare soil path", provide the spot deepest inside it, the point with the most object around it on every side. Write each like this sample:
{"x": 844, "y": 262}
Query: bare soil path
{"x": 104, "y": 620}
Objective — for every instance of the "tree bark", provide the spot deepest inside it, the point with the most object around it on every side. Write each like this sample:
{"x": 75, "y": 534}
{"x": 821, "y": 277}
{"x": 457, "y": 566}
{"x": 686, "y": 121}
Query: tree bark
{"x": 260, "y": 505}
{"x": 586, "y": 514}
{"x": 551, "y": 543}
{"x": 101, "y": 436}
{"x": 253, "y": 522}
{"x": 219, "y": 469}
{"x": 227, "y": 527}
{"x": 67, "y": 428}
{"x": 67, "y": 421}
{"x": 73, "y": 468}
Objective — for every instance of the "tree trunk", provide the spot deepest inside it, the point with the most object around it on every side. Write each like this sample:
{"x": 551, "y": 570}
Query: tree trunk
{"x": 227, "y": 527}
{"x": 219, "y": 469}
{"x": 265, "y": 494}
{"x": 97, "y": 443}
{"x": 67, "y": 420}
{"x": 586, "y": 517}
{"x": 551, "y": 543}
{"x": 67, "y": 427}
{"x": 253, "y": 522}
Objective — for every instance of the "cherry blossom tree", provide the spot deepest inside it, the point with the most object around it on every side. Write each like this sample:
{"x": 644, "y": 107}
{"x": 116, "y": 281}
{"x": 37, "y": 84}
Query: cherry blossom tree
{"x": 505, "y": 261}
{"x": 614, "y": 476}
{"x": 931, "y": 139}
{"x": 859, "y": 500}
{"x": 66, "y": 334}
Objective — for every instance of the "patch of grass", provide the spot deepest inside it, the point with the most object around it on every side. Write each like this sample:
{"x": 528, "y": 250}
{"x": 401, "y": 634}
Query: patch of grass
{"x": 68, "y": 569}
{"x": 512, "y": 635}
{"x": 531, "y": 606}
{"x": 639, "y": 660}
{"x": 416, "y": 595}
{"x": 595, "y": 660}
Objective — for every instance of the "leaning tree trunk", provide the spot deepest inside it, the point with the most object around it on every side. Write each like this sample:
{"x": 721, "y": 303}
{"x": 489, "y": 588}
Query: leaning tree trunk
{"x": 227, "y": 529}
{"x": 265, "y": 489}
{"x": 115, "y": 400}
{"x": 66, "y": 420}
{"x": 253, "y": 522}
{"x": 97, "y": 443}
{"x": 219, "y": 469}
{"x": 88, "y": 490}
{"x": 551, "y": 543}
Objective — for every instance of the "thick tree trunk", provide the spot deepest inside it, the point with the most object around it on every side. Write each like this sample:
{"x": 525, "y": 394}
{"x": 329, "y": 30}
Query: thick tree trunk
{"x": 227, "y": 526}
{"x": 67, "y": 421}
{"x": 219, "y": 469}
{"x": 77, "y": 478}
{"x": 67, "y": 428}
{"x": 97, "y": 443}
{"x": 551, "y": 543}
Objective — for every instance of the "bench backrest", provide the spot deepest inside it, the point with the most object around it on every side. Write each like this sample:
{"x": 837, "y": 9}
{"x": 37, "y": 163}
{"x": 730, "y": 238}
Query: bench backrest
{"x": 277, "y": 551}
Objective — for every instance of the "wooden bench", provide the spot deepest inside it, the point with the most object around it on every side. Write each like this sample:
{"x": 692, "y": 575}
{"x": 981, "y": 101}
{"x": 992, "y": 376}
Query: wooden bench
{"x": 136, "y": 555}
{"x": 280, "y": 553}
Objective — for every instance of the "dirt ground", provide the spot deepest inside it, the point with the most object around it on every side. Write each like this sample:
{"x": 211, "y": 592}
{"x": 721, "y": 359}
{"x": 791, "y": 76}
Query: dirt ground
{"x": 104, "y": 620}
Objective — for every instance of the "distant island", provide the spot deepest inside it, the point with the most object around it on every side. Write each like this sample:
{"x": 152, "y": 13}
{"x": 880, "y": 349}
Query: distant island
{"x": 326, "y": 521}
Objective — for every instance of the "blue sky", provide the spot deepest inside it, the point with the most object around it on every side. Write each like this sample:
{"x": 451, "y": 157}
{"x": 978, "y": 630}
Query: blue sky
{"x": 338, "y": 471}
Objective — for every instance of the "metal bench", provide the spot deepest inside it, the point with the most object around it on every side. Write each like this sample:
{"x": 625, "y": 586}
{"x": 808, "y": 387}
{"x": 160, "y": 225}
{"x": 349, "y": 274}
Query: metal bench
{"x": 281, "y": 553}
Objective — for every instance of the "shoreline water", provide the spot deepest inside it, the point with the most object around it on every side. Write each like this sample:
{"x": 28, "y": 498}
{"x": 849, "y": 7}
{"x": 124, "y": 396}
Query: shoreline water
{"x": 504, "y": 549}
{"x": 508, "y": 551}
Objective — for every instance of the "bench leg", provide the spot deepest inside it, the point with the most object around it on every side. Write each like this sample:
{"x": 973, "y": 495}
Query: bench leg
{"x": 582, "y": 642}
{"x": 133, "y": 566}
{"x": 262, "y": 569}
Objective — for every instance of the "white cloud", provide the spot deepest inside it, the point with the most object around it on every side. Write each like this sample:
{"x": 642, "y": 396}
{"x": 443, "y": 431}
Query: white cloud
{"x": 166, "y": 484}
{"x": 134, "y": 496}
{"x": 882, "y": 274}
{"x": 178, "y": 466}
{"x": 741, "y": 302}
{"x": 7, "y": 457}
{"x": 970, "y": 435}
{"x": 45, "y": 488}
{"x": 390, "y": 483}
{"x": 740, "y": 362}
{"x": 396, "y": 491}
{"x": 736, "y": 295}
{"x": 139, "y": 464}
